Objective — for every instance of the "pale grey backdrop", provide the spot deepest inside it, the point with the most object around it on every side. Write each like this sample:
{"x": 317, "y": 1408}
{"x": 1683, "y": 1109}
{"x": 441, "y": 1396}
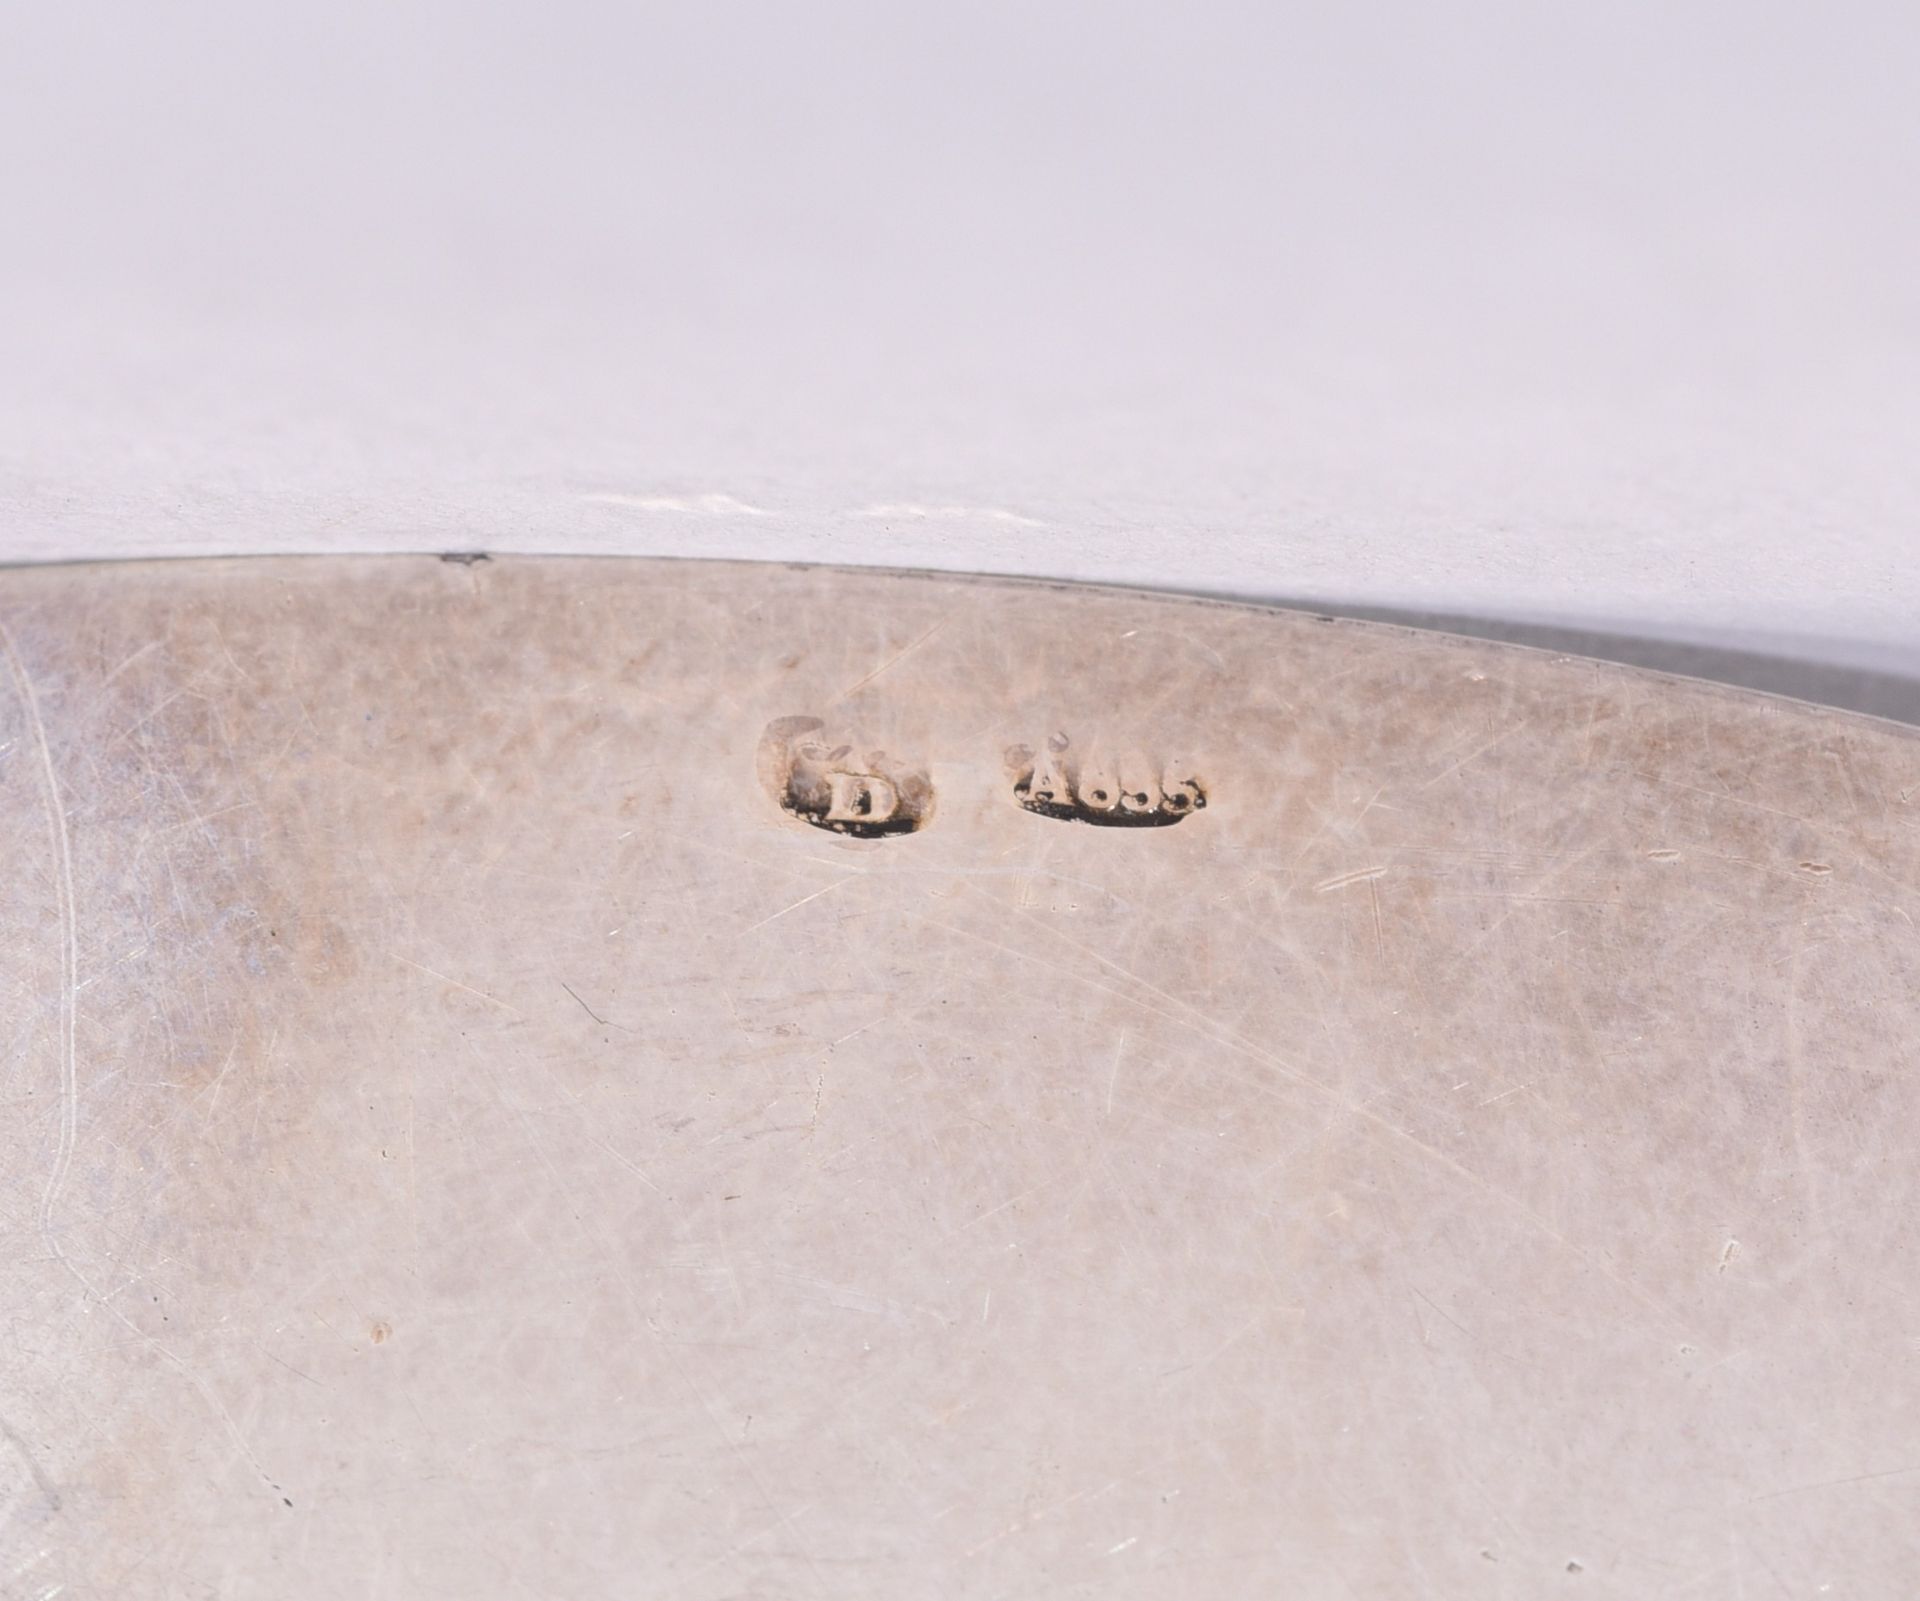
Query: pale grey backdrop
{"x": 1569, "y": 321}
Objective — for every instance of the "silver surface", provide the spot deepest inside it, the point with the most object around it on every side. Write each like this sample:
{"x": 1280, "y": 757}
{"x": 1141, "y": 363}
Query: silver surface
{"x": 462, "y": 1134}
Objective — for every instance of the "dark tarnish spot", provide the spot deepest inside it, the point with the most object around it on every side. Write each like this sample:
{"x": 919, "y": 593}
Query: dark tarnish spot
{"x": 464, "y": 558}
{"x": 823, "y": 779}
{"x": 380, "y": 1331}
{"x": 1121, "y": 789}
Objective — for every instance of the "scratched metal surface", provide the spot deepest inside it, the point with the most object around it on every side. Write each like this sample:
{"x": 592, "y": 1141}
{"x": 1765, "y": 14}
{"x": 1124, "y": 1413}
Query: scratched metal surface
{"x": 463, "y": 1138}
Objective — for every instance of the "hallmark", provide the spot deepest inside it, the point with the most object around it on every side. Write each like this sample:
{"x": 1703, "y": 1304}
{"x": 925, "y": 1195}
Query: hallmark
{"x": 818, "y": 778}
{"x": 1123, "y": 788}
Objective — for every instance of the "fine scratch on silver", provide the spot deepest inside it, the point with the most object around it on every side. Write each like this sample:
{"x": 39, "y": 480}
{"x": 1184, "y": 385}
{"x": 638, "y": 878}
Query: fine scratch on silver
{"x": 69, "y": 949}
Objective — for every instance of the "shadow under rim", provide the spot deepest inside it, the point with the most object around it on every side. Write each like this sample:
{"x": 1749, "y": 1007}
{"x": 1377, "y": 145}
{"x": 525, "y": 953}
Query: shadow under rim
{"x": 1872, "y": 691}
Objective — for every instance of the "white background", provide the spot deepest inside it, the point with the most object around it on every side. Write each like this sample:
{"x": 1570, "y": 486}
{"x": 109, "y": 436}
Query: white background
{"x": 1596, "y": 317}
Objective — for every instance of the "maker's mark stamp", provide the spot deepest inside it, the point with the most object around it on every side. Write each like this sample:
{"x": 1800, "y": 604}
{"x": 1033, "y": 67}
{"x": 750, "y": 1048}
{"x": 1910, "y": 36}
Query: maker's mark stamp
{"x": 1109, "y": 788}
{"x": 822, "y": 778}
